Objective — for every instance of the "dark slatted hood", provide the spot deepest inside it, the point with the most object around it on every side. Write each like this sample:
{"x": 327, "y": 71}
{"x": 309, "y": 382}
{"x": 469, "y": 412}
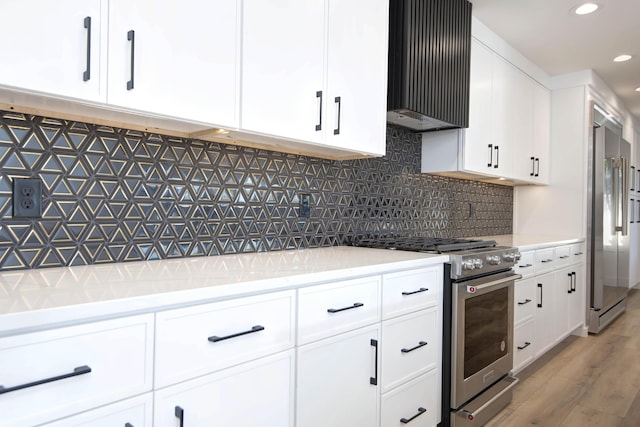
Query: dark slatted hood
{"x": 429, "y": 60}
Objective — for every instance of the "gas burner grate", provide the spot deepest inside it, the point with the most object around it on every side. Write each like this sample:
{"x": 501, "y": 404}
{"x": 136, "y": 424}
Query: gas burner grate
{"x": 423, "y": 244}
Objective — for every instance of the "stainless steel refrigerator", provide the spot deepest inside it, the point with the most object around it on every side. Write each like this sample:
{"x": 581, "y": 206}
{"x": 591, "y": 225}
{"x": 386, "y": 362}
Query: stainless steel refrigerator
{"x": 608, "y": 219}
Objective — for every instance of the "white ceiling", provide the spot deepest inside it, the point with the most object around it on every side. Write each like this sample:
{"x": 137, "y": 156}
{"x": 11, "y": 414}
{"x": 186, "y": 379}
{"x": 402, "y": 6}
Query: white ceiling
{"x": 559, "y": 42}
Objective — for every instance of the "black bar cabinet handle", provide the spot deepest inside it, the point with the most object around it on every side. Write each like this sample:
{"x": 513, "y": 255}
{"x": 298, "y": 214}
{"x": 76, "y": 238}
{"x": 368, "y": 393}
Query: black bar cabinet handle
{"x": 319, "y": 125}
{"x": 179, "y": 413}
{"x": 86, "y": 75}
{"x": 538, "y": 167}
{"x": 540, "y": 287}
{"x": 421, "y": 411}
{"x": 570, "y": 282}
{"x": 490, "y": 156}
{"x": 337, "y": 310}
{"x": 131, "y": 36}
{"x": 526, "y": 344}
{"x": 633, "y": 172}
{"x": 409, "y": 350}
{"x": 336, "y": 131}
{"x": 374, "y": 380}
{"x": 497, "y": 157}
{"x": 527, "y": 301}
{"x": 573, "y": 282}
{"x": 80, "y": 370}
{"x": 415, "y": 292}
{"x": 533, "y": 166}
{"x": 253, "y": 329}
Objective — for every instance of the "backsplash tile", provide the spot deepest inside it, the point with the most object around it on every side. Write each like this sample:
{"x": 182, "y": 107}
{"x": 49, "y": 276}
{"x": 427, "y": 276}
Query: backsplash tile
{"x": 114, "y": 195}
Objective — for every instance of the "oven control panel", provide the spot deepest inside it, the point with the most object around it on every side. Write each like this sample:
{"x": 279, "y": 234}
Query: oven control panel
{"x": 476, "y": 262}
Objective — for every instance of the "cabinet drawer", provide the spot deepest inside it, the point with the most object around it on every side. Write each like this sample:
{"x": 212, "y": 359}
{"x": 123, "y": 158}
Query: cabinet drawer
{"x": 524, "y": 300}
{"x": 578, "y": 253}
{"x": 198, "y": 340}
{"x": 523, "y": 344}
{"x": 136, "y": 412}
{"x": 563, "y": 255}
{"x": 410, "y": 346}
{"x": 526, "y": 265}
{"x": 93, "y": 364}
{"x": 408, "y": 291}
{"x": 327, "y": 310}
{"x": 417, "y": 398}
{"x": 545, "y": 260}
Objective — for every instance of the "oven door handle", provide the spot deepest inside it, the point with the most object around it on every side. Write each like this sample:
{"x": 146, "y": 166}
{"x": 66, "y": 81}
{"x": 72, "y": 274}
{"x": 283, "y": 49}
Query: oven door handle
{"x": 494, "y": 283}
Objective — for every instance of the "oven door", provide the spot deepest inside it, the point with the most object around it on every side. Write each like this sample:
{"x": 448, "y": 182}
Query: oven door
{"x": 482, "y": 329}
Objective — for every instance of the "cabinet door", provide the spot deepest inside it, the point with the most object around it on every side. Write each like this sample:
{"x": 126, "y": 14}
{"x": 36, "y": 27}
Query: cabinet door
{"x": 545, "y": 317}
{"x": 577, "y": 300}
{"x": 478, "y": 143}
{"x": 256, "y": 394}
{"x": 503, "y": 97}
{"x": 521, "y": 97}
{"x": 357, "y": 75}
{"x": 49, "y": 46}
{"x": 335, "y": 379}
{"x": 176, "y": 59}
{"x": 416, "y": 403}
{"x": 541, "y": 133}
{"x": 282, "y": 68}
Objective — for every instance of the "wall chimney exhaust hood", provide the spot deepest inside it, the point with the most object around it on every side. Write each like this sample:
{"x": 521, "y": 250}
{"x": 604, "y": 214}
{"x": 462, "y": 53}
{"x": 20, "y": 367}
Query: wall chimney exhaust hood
{"x": 429, "y": 61}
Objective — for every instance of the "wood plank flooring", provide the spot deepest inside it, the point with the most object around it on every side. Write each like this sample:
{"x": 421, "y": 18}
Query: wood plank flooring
{"x": 589, "y": 381}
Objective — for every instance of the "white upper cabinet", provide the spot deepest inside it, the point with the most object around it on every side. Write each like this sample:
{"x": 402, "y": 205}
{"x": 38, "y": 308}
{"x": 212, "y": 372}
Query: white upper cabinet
{"x": 282, "y": 68}
{"x": 176, "y": 59}
{"x": 54, "y": 47}
{"x": 312, "y": 73}
{"x": 357, "y": 75}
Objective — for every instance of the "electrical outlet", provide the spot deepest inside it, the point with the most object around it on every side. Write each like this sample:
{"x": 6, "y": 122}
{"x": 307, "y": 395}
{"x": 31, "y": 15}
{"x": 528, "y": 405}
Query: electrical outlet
{"x": 27, "y": 198}
{"x": 305, "y": 205}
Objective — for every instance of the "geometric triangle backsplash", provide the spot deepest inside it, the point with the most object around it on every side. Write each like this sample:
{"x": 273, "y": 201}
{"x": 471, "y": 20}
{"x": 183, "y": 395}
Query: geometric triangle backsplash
{"x": 113, "y": 195}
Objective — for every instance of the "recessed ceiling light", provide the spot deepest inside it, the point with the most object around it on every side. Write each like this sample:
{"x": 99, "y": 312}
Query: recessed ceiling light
{"x": 638, "y": 89}
{"x": 586, "y": 8}
{"x": 622, "y": 58}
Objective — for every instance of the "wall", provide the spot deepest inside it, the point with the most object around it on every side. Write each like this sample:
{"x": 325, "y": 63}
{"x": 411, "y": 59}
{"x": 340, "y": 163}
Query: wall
{"x": 114, "y": 195}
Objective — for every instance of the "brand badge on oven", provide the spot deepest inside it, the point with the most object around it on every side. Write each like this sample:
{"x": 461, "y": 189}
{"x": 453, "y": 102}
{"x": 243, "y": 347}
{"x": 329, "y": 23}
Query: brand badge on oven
{"x": 471, "y": 289}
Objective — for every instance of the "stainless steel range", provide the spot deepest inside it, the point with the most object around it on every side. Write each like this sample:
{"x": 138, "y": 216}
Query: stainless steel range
{"x": 478, "y": 324}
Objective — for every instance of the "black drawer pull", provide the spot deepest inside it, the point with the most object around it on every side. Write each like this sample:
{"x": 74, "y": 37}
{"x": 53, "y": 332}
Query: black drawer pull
{"x": 421, "y": 411}
{"x": 179, "y": 413}
{"x": 80, "y": 370}
{"x": 253, "y": 329}
{"x": 337, "y": 310}
{"x": 526, "y": 344}
{"x": 415, "y": 292}
{"x": 564, "y": 256}
{"x": 409, "y": 350}
{"x": 86, "y": 75}
{"x": 579, "y": 253}
{"x": 527, "y": 301}
{"x": 128, "y": 425}
{"x": 546, "y": 260}
{"x": 525, "y": 266}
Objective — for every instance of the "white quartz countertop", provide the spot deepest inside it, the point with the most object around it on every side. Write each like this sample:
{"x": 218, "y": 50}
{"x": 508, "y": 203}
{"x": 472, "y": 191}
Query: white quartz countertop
{"x": 526, "y": 242}
{"x": 30, "y": 299}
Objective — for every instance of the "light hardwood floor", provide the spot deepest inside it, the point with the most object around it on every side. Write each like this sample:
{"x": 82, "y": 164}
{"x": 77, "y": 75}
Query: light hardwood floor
{"x": 589, "y": 381}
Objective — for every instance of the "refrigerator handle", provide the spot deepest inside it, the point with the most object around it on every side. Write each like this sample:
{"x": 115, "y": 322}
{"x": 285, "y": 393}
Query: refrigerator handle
{"x": 624, "y": 195}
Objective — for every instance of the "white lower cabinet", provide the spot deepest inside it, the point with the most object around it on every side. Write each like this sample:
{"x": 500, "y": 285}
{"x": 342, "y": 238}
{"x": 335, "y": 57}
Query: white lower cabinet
{"x": 549, "y": 301}
{"x": 412, "y": 403}
{"x": 135, "y": 412}
{"x": 53, "y": 374}
{"x": 255, "y": 394}
{"x": 337, "y": 382}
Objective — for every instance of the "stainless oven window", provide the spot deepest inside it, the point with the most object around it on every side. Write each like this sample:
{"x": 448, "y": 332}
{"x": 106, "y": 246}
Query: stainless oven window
{"x": 486, "y": 332}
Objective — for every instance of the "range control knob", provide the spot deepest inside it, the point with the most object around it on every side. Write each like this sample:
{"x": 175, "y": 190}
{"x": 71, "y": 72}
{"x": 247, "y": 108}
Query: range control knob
{"x": 512, "y": 257}
{"x": 468, "y": 265}
{"x": 494, "y": 259}
{"x": 478, "y": 263}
